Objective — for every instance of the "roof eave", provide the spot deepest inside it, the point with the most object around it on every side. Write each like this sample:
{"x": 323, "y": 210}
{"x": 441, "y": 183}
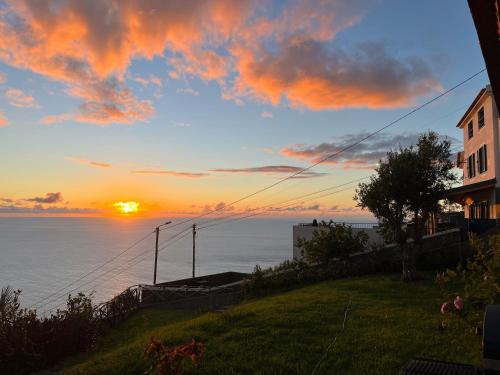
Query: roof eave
{"x": 486, "y": 16}
{"x": 471, "y": 107}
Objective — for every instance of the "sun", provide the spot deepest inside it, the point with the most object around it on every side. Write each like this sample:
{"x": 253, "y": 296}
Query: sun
{"x": 127, "y": 208}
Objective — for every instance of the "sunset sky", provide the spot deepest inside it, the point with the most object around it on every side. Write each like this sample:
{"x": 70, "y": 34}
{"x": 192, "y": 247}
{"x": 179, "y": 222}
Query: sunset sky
{"x": 186, "y": 105}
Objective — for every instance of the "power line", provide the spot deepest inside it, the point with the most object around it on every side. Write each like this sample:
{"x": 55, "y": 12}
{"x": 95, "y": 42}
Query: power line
{"x": 295, "y": 201}
{"x": 288, "y": 200}
{"x": 144, "y": 256}
{"x": 50, "y": 300}
{"x": 113, "y": 276}
{"x": 292, "y": 199}
{"x": 291, "y": 176}
{"x": 81, "y": 277}
{"x": 277, "y": 209}
{"x": 336, "y": 153}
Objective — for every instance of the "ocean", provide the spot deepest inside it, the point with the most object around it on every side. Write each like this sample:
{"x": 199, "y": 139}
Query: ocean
{"x": 40, "y": 256}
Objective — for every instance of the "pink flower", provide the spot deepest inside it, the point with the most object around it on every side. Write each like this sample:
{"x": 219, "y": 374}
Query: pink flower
{"x": 459, "y": 303}
{"x": 445, "y": 307}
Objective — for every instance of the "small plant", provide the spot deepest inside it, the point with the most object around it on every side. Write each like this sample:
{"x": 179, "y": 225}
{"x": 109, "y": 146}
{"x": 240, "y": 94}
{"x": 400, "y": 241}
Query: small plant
{"x": 170, "y": 360}
{"x": 480, "y": 278}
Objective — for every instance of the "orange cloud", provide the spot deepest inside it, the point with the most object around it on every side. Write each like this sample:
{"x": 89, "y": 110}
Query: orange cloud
{"x": 364, "y": 155}
{"x": 91, "y": 163}
{"x": 305, "y": 73}
{"x": 188, "y": 90}
{"x": 54, "y": 119}
{"x": 3, "y": 120}
{"x": 170, "y": 173}
{"x": 251, "y": 48}
{"x": 18, "y": 98}
{"x": 151, "y": 80}
{"x": 272, "y": 169}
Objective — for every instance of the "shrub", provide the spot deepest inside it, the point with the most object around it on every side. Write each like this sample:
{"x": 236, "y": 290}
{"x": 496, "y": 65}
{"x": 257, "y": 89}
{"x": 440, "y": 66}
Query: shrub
{"x": 479, "y": 280}
{"x": 332, "y": 241}
{"x": 29, "y": 342}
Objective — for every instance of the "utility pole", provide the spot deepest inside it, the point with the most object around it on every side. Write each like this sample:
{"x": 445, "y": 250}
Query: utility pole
{"x": 157, "y": 231}
{"x": 194, "y": 246}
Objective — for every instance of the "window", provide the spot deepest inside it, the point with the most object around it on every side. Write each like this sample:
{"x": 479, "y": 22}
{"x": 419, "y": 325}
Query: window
{"x": 471, "y": 166}
{"x": 482, "y": 159}
{"x": 480, "y": 118}
{"x": 479, "y": 211}
{"x": 484, "y": 210}
{"x": 470, "y": 130}
{"x": 472, "y": 211}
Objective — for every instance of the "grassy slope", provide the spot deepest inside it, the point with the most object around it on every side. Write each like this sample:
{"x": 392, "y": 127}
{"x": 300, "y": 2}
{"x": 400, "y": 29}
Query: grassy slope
{"x": 389, "y": 324}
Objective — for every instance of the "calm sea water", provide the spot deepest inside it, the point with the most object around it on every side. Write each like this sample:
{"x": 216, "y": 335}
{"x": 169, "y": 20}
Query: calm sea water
{"x": 41, "y": 255}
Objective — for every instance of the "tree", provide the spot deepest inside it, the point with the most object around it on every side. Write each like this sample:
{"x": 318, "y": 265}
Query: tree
{"x": 332, "y": 240}
{"x": 406, "y": 189}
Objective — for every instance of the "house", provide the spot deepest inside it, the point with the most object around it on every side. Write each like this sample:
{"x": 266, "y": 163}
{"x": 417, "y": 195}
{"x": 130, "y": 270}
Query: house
{"x": 480, "y": 161}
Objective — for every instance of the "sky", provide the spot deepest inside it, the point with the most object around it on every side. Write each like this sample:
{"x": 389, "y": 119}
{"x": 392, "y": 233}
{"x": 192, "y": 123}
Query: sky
{"x": 185, "y": 106}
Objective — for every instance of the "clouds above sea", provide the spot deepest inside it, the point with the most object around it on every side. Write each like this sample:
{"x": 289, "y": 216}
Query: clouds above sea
{"x": 254, "y": 50}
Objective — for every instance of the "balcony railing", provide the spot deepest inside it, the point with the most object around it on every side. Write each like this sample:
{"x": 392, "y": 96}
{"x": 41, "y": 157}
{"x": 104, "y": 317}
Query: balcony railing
{"x": 352, "y": 225}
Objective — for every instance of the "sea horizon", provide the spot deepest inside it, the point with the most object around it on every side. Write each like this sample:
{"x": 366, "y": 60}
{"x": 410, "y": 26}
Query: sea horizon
{"x": 40, "y": 255}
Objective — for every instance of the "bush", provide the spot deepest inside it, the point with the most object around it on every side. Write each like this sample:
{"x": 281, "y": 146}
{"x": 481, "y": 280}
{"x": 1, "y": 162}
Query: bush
{"x": 283, "y": 275}
{"x": 290, "y": 274}
{"x": 29, "y": 343}
{"x": 479, "y": 281}
{"x": 332, "y": 241}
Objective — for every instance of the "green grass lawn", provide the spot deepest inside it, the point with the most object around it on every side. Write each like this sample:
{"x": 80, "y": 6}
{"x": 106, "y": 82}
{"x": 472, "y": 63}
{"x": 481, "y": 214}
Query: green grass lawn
{"x": 390, "y": 323}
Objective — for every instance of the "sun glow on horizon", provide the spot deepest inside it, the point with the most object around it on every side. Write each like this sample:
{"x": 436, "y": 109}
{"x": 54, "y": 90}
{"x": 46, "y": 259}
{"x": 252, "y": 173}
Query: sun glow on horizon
{"x": 127, "y": 208}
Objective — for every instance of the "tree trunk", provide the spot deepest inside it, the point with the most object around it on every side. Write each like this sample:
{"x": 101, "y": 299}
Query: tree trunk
{"x": 409, "y": 272}
{"x": 404, "y": 253}
{"x": 409, "y": 263}
{"x": 407, "y": 254}
{"x": 410, "y": 268}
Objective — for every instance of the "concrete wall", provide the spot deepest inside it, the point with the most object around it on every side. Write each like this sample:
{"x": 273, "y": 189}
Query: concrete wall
{"x": 442, "y": 249}
{"x": 201, "y": 303}
{"x": 306, "y": 231}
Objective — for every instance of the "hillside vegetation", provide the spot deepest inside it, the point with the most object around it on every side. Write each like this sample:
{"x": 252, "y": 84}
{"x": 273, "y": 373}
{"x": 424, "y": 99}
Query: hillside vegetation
{"x": 390, "y": 322}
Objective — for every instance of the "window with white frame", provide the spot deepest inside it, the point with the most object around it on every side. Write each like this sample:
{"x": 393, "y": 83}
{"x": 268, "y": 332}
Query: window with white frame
{"x": 482, "y": 159}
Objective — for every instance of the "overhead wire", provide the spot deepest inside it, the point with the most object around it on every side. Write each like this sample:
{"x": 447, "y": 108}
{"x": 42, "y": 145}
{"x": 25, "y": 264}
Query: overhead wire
{"x": 338, "y": 152}
{"x": 51, "y": 300}
{"x": 289, "y": 177}
{"x": 275, "y": 209}
{"x": 144, "y": 256}
{"x": 83, "y": 276}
